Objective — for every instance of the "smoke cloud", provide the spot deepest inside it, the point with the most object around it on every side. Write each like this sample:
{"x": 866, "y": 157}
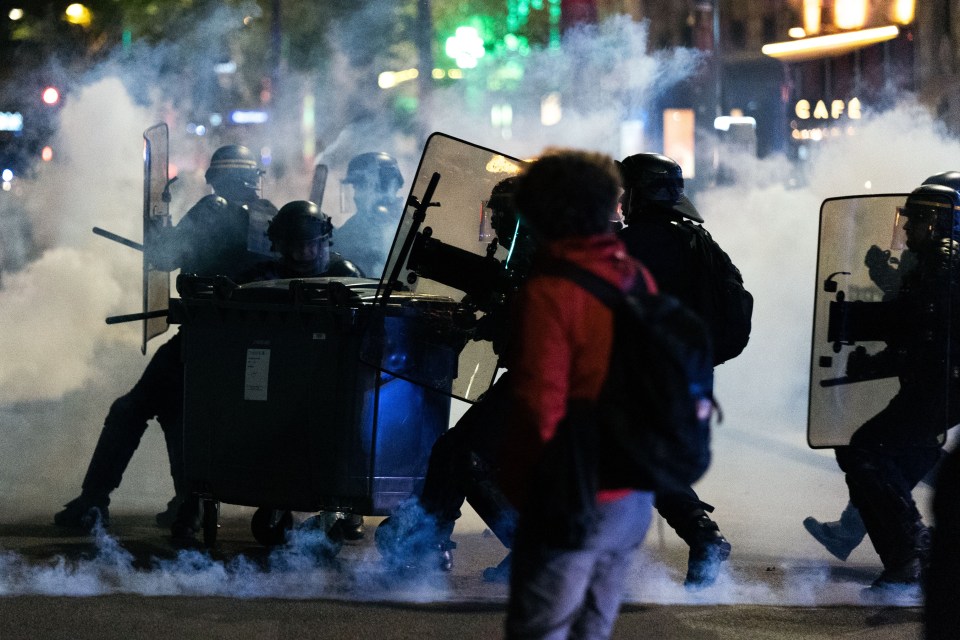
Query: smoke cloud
{"x": 62, "y": 366}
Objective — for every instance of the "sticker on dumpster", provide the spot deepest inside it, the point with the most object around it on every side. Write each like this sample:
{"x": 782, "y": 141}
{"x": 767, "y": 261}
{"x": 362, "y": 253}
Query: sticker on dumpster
{"x": 258, "y": 374}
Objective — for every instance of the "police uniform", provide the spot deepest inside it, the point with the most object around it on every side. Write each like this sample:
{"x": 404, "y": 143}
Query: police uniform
{"x": 212, "y": 238}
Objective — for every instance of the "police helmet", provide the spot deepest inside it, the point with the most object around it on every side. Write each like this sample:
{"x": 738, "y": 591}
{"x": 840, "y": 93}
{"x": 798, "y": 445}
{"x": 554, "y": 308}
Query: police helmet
{"x": 940, "y": 204}
{"x": 298, "y": 221}
{"x": 234, "y": 163}
{"x": 504, "y": 214}
{"x": 947, "y": 179}
{"x": 377, "y": 163}
{"x": 652, "y": 180}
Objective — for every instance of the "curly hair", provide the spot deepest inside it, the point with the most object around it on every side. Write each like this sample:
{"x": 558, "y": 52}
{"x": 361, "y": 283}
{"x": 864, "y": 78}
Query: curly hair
{"x": 569, "y": 192}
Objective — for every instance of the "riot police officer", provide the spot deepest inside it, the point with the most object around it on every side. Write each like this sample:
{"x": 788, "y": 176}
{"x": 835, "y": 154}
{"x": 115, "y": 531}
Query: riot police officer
{"x": 224, "y": 233}
{"x": 217, "y": 236}
{"x": 302, "y": 235}
{"x": 840, "y": 537}
{"x": 464, "y": 459}
{"x": 654, "y": 208}
{"x": 892, "y": 451}
{"x": 370, "y": 187}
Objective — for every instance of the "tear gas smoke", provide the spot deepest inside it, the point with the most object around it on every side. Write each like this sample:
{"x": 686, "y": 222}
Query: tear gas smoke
{"x": 606, "y": 75}
{"x": 297, "y": 570}
{"x": 67, "y": 366}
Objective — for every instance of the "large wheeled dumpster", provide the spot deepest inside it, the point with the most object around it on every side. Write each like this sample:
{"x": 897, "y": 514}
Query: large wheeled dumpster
{"x": 282, "y": 412}
{"x": 327, "y": 394}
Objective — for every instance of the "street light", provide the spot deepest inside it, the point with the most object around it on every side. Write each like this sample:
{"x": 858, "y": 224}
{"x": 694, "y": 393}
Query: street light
{"x": 78, "y": 14}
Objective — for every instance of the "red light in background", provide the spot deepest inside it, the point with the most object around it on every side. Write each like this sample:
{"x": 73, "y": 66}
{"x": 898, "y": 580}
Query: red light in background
{"x": 50, "y": 95}
{"x": 47, "y": 154}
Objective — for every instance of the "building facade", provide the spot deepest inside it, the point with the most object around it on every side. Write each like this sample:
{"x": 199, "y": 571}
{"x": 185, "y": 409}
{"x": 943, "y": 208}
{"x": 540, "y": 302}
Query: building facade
{"x": 786, "y": 75}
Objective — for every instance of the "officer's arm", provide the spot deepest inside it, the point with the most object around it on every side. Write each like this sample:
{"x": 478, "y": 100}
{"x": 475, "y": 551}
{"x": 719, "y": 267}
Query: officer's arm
{"x": 161, "y": 248}
{"x": 866, "y": 366}
{"x": 168, "y": 248}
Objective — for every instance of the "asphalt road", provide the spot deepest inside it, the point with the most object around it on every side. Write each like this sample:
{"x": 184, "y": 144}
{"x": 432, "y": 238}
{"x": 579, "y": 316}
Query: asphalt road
{"x": 133, "y": 583}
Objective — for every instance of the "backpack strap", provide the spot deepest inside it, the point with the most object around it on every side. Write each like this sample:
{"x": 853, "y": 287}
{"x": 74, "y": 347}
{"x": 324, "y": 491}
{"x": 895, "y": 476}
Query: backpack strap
{"x": 613, "y": 297}
{"x": 604, "y": 291}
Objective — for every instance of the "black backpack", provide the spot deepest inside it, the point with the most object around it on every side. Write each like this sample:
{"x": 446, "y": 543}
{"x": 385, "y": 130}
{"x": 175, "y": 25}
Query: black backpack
{"x": 650, "y": 427}
{"x": 654, "y": 410}
{"x": 717, "y": 294}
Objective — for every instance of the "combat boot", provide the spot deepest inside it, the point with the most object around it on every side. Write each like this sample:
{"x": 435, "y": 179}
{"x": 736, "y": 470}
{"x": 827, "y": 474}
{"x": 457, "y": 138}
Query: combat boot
{"x": 406, "y": 548}
{"x": 166, "y": 517}
{"x": 708, "y": 549}
{"x": 897, "y": 584}
{"x": 188, "y": 523}
{"x": 902, "y": 575}
{"x": 839, "y": 537}
{"x": 84, "y": 512}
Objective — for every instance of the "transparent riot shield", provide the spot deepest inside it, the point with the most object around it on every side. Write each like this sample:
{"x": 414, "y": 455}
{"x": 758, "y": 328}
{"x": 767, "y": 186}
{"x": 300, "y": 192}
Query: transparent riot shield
{"x": 156, "y": 213}
{"x": 882, "y": 324}
{"x": 443, "y": 248}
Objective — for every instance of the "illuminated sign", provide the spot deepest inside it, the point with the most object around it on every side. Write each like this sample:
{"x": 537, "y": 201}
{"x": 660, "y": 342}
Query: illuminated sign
{"x": 11, "y": 121}
{"x": 822, "y": 119}
{"x": 820, "y": 111}
{"x": 248, "y": 117}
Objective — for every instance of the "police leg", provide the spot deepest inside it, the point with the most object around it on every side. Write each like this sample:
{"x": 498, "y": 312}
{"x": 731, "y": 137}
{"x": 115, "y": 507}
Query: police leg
{"x": 880, "y": 486}
{"x": 123, "y": 428}
{"x": 484, "y": 425}
{"x": 417, "y": 533}
{"x": 171, "y": 422}
{"x": 476, "y": 436}
{"x": 184, "y": 511}
{"x": 431, "y": 520}
{"x": 486, "y": 498}
{"x": 687, "y": 515}
{"x": 444, "y": 485}
{"x": 488, "y": 501}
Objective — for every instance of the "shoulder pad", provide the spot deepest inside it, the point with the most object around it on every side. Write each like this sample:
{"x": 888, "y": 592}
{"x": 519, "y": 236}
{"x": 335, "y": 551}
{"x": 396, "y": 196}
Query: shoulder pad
{"x": 213, "y": 201}
{"x": 343, "y": 268}
{"x": 260, "y": 204}
{"x": 695, "y": 228}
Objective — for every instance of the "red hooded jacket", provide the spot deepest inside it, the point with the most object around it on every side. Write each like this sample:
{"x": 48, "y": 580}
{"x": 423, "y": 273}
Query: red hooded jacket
{"x": 560, "y": 349}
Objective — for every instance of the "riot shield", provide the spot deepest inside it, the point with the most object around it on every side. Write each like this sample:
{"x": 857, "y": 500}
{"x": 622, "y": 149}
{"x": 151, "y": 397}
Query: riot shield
{"x": 873, "y": 327}
{"x": 156, "y": 213}
{"x": 442, "y": 248}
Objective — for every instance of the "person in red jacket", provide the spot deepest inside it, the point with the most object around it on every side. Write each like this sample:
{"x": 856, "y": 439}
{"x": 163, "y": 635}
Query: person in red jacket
{"x": 562, "y": 342}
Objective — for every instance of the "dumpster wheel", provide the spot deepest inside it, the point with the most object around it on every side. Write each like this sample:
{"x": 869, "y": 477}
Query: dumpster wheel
{"x": 332, "y": 541}
{"x": 211, "y": 522}
{"x": 270, "y": 526}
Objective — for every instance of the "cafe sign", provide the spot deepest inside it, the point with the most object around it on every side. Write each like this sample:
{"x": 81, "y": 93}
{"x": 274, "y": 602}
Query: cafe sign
{"x": 824, "y": 119}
